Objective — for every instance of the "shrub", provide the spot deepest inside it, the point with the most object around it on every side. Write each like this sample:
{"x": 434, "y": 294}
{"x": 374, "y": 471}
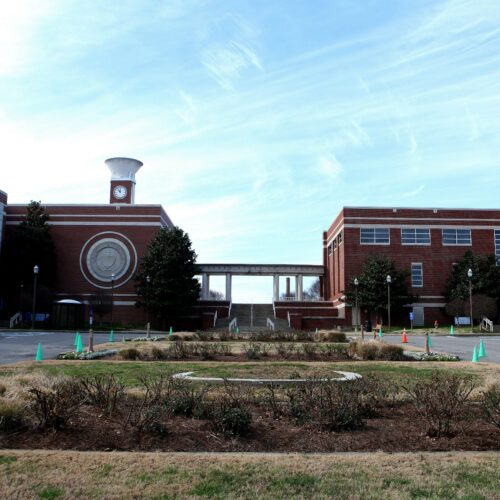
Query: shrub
{"x": 441, "y": 401}
{"x": 310, "y": 350}
{"x": 130, "y": 354}
{"x": 301, "y": 336}
{"x": 330, "y": 337}
{"x": 185, "y": 399}
{"x": 180, "y": 350}
{"x": 143, "y": 417}
{"x": 331, "y": 405}
{"x": 102, "y": 391}
{"x": 54, "y": 401}
{"x": 3, "y": 389}
{"x": 285, "y": 350}
{"x": 390, "y": 352}
{"x": 11, "y": 416}
{"x": 335, "y": 351}
{"x": 228, "y": 412}
{"x": 158, "y": 354}
{"x": 490, "y": 404}
{"x": 252, "y": 350}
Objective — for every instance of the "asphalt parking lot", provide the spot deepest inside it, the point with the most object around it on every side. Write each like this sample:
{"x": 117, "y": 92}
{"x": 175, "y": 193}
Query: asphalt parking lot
{"x": 16, "y": 345}
{"x": 459, "y": 346}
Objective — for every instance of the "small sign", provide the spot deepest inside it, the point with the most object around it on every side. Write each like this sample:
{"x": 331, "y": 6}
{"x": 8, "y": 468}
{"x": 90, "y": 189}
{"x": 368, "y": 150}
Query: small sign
{"x": 411, "y": 316}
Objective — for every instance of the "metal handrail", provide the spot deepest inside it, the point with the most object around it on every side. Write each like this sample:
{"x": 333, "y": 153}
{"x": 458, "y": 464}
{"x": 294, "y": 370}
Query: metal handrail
{"x": 270, "y": 324}
{"x": 215, "y": 317}
{"x": 14, "y": 320}
{"x": 233, "y": 324}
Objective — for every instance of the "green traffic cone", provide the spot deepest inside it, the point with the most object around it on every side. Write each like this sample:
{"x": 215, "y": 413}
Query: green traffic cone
{"x": 475, "y": 358}
{"x": 171, "y": 330}
{"x": 39, "y": 354}
{"x": 111, "y": 336}
{"x": 482, "y": 350}
{"x": 123, "y": 339}
{"x": 238, "y": 330}
{"x": 79, "y": 345}
{"x": 380, "y": 333}
{"x": 316, "y": 330}
{"x": 452, "y": 330}
{"x": 77, "y": 334}
{"x": 430, "y": 341}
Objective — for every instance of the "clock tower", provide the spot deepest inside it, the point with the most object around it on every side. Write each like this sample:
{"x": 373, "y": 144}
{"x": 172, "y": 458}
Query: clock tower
{"x": 123, "y": 172}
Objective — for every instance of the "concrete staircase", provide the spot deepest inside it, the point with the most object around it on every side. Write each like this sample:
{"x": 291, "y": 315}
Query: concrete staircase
{"x": 252, "y": 317}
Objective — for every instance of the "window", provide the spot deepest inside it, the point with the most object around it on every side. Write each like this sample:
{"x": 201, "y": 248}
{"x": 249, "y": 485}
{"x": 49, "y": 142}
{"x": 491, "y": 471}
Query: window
{"x": 330, "y": 250}
{"x": 417, "y": 274}
{"x": 497, "y": 245}
{"x": 340, "y": 237}
{"x": 374, "y": 236}
{"x": 335, "y": 244}
{"x": 415, "y": 236}
{"x": 456, "y": 237}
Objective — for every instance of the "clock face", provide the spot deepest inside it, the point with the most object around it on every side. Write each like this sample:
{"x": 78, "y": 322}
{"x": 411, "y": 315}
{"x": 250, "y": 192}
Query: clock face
{"x": 120, "y": 192}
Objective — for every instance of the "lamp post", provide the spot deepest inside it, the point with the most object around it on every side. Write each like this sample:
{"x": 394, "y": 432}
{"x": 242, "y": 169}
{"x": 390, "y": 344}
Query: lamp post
{"x": 112, "y": 297}
{"x": 356, "y": 283}
{"x": 469, "y": 275}
{"x": 21, "y": 303}
{"x": 389, "y": 281}
{"x": 36, "y": 270}
{"x": 148, "y": 326}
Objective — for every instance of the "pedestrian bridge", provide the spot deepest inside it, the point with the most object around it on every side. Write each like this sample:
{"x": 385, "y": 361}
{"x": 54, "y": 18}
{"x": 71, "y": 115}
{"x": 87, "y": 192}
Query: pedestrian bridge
{"x": 275, "y": 270}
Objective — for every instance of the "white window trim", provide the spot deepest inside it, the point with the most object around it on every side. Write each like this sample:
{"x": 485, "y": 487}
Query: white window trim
{"x": 416, "y": 244}
{"x": 411, "y": 269}
{"x": 377, "y": 244}
{"x": 456, "y": 244}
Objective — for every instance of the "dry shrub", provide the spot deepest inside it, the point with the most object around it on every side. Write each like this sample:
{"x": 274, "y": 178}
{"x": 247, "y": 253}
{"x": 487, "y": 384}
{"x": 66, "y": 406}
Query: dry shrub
{"x": 158, "y": 354}
{"x": 323, "y": 336}
{"x": 228, "y": 412}
{"x": 186, "y": 336}
{"x": 310, "y": 350}
{"x": 11, "y": 415}
{"x": 103, "y": 391}
{"x": 373, "y": 350}
{"x": 3, "y": 389}
{"x": 441, "y": 401}
{"x": 130, "y": 354}
{"x": 286, "y": 351}
{"x": 490, "y": 404}
{"x": 53, "y": 401}
{"x": 253, "y": 350}
{"x": 334, "y": 406}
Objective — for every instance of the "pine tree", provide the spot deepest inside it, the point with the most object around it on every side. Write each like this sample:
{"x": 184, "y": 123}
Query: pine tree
{"x": 170, "y": 264}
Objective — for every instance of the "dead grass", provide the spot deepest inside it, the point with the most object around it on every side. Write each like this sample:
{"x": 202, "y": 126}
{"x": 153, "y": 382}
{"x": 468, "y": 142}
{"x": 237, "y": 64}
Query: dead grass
{"x": 55, "y": 474}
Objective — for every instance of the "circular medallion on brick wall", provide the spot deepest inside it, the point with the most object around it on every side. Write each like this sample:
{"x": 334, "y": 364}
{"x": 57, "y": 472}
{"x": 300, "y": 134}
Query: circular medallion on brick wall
{"x": 106, "y": 255}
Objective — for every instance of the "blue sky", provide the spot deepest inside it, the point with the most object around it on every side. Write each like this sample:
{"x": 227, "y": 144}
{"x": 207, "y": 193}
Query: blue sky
{"x": 256, "y": 120}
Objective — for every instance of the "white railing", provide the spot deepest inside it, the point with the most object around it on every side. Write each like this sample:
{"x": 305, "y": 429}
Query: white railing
{"x": 270, "y": 324}
{"x": 294, "y": 298}
{"x": 17, "y": 318}
{"x": 230, "y": 307}
{"x": 233, "y": 324}
{"x": 215, "y": 318}
{"x": 486, "y": 324}
{"x": 288, "y": 316}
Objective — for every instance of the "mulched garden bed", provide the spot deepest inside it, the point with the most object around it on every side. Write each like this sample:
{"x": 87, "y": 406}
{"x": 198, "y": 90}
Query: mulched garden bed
{"x": 396, "y": 429}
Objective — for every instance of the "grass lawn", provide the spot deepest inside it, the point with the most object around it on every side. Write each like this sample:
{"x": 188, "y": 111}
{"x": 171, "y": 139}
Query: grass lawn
{"x": 128, "y": 371}
{"x": 57, "y": 474}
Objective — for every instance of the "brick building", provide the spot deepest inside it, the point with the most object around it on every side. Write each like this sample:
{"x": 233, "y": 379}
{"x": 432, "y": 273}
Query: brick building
{"x": 99, "y": 247}
{"x": 425, "y": 242}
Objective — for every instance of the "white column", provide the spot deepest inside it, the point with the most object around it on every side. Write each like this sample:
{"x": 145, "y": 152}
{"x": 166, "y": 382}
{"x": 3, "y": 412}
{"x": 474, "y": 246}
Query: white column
{"x": 299, "y": 287}
{"x": 228, "y": 286}
{"x": 276, "y": 287}
{"x": 205, "y": 286}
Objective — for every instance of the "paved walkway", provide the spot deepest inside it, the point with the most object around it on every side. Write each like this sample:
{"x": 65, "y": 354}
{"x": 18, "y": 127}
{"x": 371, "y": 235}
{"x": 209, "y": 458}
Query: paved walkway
{"x": 459, "y": 346}
{"x": 19, "y": 345}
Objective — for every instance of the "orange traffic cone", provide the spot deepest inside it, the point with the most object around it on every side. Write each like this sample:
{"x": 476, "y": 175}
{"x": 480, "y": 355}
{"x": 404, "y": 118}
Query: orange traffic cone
{"x": 405, "y": 338}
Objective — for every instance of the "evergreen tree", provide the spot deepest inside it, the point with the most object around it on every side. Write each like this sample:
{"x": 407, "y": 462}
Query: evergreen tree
{"x": 372, "y": 288}
{"x": 25, "y": 246}
{"x": 170, "y": 264}
{"x": 485, "y": 277}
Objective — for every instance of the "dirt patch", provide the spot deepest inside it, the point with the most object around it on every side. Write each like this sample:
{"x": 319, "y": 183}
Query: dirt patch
{"x": 395, "y": 429}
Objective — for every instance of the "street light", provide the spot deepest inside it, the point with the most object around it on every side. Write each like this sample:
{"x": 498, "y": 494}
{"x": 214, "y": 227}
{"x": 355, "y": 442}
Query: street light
{"x": 469, "y": 275}
{"x": 356, "y": 283}
{"x": 112, "y": 296}
{"x": 389, "y": 281}
{"x": 36, "y": 270}
{"x": 148, "y": 326}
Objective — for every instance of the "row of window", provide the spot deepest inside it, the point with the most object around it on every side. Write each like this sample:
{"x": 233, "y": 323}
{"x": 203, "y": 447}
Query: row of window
{"x": 335, "y": 243}
{"x": 497, "y": 245}
{"x": 415, "y": 236}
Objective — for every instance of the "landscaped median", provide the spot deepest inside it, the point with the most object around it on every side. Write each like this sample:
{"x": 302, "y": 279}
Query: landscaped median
{"x": 69, "y": 474}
